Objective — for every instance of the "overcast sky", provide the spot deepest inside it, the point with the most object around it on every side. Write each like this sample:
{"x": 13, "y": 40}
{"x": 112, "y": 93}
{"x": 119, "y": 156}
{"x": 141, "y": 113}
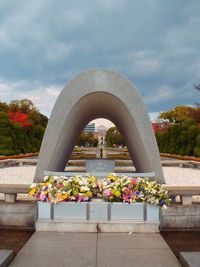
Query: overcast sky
{"x": 155, "y": 43}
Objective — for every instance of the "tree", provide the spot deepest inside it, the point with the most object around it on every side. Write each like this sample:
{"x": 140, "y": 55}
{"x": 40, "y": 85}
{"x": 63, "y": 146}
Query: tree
{"x": 197, "y": 148}
{"x": 87, "y": 139}
{"x": 180, "y": 138}
{"x": 197, "y": 87}
{"x": 178, "y": 114}
{"x": 21, "y": 118}
{"x": 3, "y": 107}
{"x": 22, "y": 127}
{"x": 113, "y": 137}
{"x": 23, "y": 106}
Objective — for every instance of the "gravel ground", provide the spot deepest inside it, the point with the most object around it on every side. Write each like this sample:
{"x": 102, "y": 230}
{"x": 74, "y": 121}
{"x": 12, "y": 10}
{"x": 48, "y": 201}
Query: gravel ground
{"x": 25, "y": 174}
{"x": 173, "y": 175}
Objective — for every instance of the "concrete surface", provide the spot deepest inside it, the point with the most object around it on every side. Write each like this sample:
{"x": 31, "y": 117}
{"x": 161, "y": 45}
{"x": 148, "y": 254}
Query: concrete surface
{"x": 190, "y": 259}
{"x": 99, "y": 93}
{"x": 94, "y": 227}
{"x": 180, "y": 217}
{"x": 89, "y": 250}
{"x": 6, "y": 257}
{"x": 18, "y": 214}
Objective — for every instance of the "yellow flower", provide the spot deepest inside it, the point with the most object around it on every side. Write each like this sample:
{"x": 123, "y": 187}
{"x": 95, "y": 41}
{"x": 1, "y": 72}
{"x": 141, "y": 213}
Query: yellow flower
{"x": 65, "y": 196}
{"x": 58, "y": 195}
{"x": 88, "y": 194}
{"x": 92, "y": 179}
{"x": 32, "y": 192}
{"x": 112, "y": 177}
{"x": 117, "y": 193}
{"x": 47, "y": 183}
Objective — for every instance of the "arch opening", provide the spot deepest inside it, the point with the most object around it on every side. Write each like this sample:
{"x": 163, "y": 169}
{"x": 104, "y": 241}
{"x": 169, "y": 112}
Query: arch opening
{"x": 90, "y": 107}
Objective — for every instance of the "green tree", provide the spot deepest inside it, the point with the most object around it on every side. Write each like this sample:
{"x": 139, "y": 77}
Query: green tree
{"x": 113, "y": 137}
{"x": 87, "y": 139}
{"x": 197, "y": 148}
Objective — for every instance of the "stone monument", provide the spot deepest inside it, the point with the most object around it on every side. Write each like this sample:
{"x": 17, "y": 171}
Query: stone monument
{"x": 92, "y": 94}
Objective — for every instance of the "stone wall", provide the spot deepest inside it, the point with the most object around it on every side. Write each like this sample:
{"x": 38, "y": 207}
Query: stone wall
{"x": 179, "y": 217}
{"x": 21, "y": 214}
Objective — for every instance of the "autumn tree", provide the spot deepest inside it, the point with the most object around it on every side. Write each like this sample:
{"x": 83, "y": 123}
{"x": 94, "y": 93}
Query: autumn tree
{"x": 178, "y": 114}
{"x": 22, "y": 127}
{"x": 3, "y": 107}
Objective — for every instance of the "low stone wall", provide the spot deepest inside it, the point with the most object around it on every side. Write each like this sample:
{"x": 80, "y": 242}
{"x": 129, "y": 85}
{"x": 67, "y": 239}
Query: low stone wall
{"x": 180, "y": 217}
{"x": 21, "y": 214}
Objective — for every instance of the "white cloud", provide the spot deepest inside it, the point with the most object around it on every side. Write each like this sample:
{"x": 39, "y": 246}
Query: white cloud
{"x": 45, "y": 44}
{"x": 42, "y": 96}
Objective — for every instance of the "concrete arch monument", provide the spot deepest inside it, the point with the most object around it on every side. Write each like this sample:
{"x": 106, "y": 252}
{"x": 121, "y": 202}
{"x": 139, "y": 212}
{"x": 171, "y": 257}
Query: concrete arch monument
{"x": 99, "y": 93}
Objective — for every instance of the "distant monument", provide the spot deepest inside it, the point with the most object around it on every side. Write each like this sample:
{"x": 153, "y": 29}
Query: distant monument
{"x": 92, "y": 94}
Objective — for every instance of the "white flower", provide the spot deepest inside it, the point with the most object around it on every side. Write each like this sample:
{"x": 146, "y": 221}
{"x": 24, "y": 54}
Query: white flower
{"x": 84, "y": 188}
{"x": 33, "y": 185}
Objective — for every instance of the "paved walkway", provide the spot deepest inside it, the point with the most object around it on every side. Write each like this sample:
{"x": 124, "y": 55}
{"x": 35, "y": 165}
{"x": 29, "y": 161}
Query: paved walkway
{"x": 53, "y": 249}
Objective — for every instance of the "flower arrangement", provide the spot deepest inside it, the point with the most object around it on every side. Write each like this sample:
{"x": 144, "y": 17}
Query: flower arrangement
{"x": 112, "y": 189}
{"x": 130, "y": 190}
{"x": 60, "y": 188}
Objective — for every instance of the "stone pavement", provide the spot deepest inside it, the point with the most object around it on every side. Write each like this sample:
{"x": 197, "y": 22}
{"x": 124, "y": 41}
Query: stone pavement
{"x": 95, "y": 250}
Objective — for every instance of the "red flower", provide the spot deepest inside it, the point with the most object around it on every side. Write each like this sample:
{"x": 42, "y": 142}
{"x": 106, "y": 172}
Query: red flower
{"x": 21, "y": 118}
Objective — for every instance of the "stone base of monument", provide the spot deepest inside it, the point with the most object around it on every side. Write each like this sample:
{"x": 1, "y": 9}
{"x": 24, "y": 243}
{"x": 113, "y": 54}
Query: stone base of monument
{"x": 94, "y": 227}
{"x": 98, "y": 217}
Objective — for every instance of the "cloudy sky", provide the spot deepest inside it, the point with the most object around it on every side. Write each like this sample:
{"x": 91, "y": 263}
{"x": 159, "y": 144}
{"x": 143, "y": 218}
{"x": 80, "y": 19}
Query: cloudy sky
{"x": 155, "y": 43}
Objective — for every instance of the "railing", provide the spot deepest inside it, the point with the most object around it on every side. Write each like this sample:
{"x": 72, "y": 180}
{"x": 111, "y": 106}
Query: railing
{"x": 10, "y": 191}
{"x": 185, "y": 192}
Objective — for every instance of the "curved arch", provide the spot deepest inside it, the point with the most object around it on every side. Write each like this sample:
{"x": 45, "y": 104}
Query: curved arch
{"x": 94, "y": 94}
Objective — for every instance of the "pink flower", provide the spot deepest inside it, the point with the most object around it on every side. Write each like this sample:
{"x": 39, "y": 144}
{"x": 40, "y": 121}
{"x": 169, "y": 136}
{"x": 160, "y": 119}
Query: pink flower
{"x": 133, "y": 194}
{"x": 42, "y": 197}
{"x": 108, "y": 192}
{"x": 133, "y": 181}
{"x": 59, "y": 185}
{"x": 125, "y": 198}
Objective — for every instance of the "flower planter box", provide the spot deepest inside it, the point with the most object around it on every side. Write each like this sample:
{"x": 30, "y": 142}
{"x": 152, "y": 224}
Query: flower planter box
{"x": 98, "y": 211}
{"x": 152, "y": 213}
{"x": 44, "y": 210}
{"x": 125, "y": 211}
{"x": 70, "y": 211}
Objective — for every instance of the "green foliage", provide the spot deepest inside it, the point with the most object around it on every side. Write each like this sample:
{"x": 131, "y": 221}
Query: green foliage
{"x": 87, "y": 139}
{"x": 178, "y": 114}
{"x": 197, "y": 148}
{"x": 181, "y": 139}
{"x": 181, "y": 113}
{"x": 113, "y": 137}
{"x": 16, "y": 139}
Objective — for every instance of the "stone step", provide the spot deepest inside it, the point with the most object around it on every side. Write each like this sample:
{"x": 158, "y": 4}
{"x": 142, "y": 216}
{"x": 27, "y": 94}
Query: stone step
{"x": 94, "y": 227}
{"x": 190, "y": 259}
{"x": 6, "y": 257}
